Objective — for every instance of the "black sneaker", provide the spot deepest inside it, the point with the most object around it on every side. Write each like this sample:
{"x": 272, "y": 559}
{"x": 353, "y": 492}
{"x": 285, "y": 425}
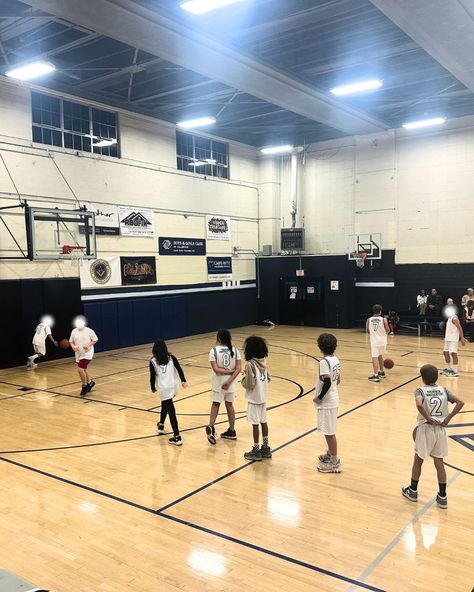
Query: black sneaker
{"x": 91, "y": 385}
{"x": 160, "y": 428}
{"x": 374, "y": 378}
{"x": 254, "y": 454}
{"x": 229, "y": 435}
{"x": 382, "y": 375}
{"x": 211, "y": 434}
{"x": 84, "y": 390}
{"x": 410, "y": 494}
{"x": 442, "y": 501}
{"x": 176, "y": 441}
{"x": 266, "y": 452}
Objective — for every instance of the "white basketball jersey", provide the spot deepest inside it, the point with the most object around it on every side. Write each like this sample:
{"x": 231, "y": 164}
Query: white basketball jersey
{"x": 41, "y": 332}
{"x": 329, "y": 365}
{"x": 435, "y": 401}
{"x": 221, "y": 355}
{"x": 378, "y": 335}
{"x": 166, "y": 379}
{"x": 452, "y": 332}
{"x": 258, "y": 394}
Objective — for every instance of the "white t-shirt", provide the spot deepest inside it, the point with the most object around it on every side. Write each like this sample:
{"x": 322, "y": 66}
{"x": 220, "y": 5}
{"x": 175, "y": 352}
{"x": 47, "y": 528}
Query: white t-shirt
{"x": 41, "y": 332}
{"x": 81, "y": 338}
{"x": 328, "y": 365}
{"x": 378, "y": 335}
{"x": 221, "y": 355}
{"x": 435, "y": 401}
{"x": 258, "y": 394}
{"x": 452, "y": 332}
{"x": 167, "y": 379}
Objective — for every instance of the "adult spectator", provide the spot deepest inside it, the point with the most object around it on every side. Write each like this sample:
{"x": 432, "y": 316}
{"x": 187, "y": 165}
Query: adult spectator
{"x": 422, "y": 302}
{"x": 467, "y": 297}
{"x": 435, "y": 303}
{"x": 468, "y": 320}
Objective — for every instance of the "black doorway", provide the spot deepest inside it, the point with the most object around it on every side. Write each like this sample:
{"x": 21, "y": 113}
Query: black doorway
{"x": 301, "y": 301}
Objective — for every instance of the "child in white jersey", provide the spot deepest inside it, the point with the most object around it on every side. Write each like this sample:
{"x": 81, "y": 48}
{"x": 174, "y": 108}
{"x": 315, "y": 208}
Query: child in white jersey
{"x": 82, "y": 341}
{"x": 42, "y": 332}
{"x": 453, "y": 335}
{"x": 326, "y": 401}
{"x": 164, "y": 372}
{"x": 255, "y": 382}
{"x": 378, "y": 329}
{"x": 226, "y": 365}
{"x": 430, "y": 434}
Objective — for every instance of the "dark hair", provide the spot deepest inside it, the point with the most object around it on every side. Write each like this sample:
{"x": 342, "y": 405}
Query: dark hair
{"x": 327, "y": 343}
{"x": 160, "y": 352}
{"x": 429, "y": 373}
{"x": 255, "y": 347}
{"x": 470, "y": 302}
{"x": 223, "y": 337}
{"x": 377, "y": 309}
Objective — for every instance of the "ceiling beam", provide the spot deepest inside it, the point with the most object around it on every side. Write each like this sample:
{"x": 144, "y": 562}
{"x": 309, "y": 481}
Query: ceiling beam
{"x": 134, "y": 25}
{"x": 127, "y": 70}
{"x": 444, "y": 29}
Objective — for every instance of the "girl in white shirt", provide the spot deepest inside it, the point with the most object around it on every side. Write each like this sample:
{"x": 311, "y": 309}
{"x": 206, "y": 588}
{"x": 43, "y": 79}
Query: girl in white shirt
{"x": 255, "y": 382}
{"x": 164, "y": 373}
{"x": 226, "y": 365}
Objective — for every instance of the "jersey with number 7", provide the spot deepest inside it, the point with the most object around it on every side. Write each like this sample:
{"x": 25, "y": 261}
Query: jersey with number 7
{"x": 435, "y": 401}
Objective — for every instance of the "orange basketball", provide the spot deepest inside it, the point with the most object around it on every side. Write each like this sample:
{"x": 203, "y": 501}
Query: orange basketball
{"x": 64, "y": 344}
{"x": 388, "y": 363}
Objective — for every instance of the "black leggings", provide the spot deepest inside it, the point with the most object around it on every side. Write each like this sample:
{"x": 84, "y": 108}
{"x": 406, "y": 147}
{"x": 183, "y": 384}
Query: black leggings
{"x": 167, "y": 408}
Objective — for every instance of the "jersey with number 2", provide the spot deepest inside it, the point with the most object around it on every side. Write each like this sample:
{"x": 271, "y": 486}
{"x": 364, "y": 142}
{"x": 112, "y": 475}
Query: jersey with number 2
{"x": 435, "y": 401}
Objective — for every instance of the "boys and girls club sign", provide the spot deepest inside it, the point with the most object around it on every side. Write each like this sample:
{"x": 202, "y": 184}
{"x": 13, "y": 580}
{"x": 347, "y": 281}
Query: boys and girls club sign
{"x": 181, "y": 246}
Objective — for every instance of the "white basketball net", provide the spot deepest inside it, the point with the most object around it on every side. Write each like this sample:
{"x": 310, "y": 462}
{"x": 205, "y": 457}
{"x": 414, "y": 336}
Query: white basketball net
{"x": 77, "y": 258}
{"x": 359, "y": 258}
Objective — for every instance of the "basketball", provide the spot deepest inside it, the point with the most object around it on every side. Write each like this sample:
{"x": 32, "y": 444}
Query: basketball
{"x": 388, "y": 363}
{"x": 64, "y": 344}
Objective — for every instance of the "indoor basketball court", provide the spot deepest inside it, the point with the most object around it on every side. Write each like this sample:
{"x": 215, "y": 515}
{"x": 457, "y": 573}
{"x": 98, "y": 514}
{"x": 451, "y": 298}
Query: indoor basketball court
{"x": 176, "y": 177}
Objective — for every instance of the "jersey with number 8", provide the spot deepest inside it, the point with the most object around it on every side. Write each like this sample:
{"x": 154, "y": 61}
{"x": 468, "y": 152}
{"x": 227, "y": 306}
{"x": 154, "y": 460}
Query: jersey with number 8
{"x": 435, "y": 401}
{"x": 223, "y": 358}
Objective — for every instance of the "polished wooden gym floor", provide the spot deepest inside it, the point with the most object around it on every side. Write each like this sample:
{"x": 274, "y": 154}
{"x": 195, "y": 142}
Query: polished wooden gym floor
{"x": 91, "y": 499}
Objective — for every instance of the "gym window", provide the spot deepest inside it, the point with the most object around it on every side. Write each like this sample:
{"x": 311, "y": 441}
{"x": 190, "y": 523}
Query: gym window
{"x": 66, "y": 124}
{"x": 201, "y": 155}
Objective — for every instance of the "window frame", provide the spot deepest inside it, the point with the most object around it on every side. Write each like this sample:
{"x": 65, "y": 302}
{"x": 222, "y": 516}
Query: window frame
{"x": 211, "y": 170}
{"x": 105, "y": 151}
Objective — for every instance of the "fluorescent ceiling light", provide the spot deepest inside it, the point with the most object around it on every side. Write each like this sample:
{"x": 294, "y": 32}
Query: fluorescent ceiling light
{"x": 357, "y": 87}
{"x": 200, "y": 122}
{"x": 30, "y": 71}
{"x": 202, "y": 6}
{"x": 424, "y": 123}
{"x": 277, "y": 149}
{"x": 105, "y": 143}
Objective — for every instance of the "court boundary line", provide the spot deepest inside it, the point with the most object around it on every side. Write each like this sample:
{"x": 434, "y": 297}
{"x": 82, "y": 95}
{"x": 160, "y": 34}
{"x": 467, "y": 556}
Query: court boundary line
{"x": 398, "y": 537}
{"x": 159, "y": 514}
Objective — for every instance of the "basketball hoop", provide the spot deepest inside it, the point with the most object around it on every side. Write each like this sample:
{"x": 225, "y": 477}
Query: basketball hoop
{"x": 76, "y": 254}
{"x": 359, "y": 257}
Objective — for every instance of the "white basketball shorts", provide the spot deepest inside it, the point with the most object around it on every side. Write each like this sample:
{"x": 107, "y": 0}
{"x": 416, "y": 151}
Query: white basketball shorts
{"x": 431, "y": 441}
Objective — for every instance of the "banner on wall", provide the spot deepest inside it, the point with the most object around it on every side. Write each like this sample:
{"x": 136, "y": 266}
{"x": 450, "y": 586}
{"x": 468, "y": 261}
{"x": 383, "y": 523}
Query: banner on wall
{"x": 101, "y": 273}
{"x": 137, "y": 271}
{"x": 181, "y": 246}
{"x": 136, "y": 222}
{"x": 106, "y": 218}
{"x": 218, "y": 227}
{"x": 219, "y": 269}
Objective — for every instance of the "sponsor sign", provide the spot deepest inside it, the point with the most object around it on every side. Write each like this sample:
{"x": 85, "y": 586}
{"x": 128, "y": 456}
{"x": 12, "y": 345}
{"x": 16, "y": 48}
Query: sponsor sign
{"x": 106, "y": 218}
{"x": 100, "y": 273}
{"x": 136, "y": 222}
{"x": 219, "y": 269}
{"x": 137, "y": 271}
{"x": 181, "y": 246}
{"x": 334, "y": 284}
{"x": 217, "y": 228}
